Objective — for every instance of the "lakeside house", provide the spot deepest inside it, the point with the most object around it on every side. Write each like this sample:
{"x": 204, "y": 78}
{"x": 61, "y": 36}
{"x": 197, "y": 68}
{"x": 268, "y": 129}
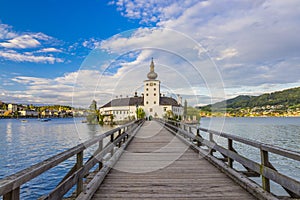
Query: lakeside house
{"x": 154, "y": 104}
{"x": 28, "y": 113}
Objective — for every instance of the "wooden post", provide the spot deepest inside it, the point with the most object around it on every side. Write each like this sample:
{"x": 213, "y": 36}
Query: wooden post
{"x": 230, "y": 147}
{"x": 111, "y": 141}
{"x": 198, "y": 137}
{"x": 79, "y": 164}
{"x": 100, "y": 149}
{"x": 120, "y": 133}
{"x": 112, "y": 137}
{"x": 12, "y": 195}
{"x": 211, "y": 139}
{"x": 265, "y": 163}
{"x": 190, "y": 131}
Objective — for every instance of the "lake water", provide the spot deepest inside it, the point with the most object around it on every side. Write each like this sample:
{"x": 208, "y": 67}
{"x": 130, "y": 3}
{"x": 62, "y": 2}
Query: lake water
{"x": 282, "y": 132}
{"x": 23, "y": 144}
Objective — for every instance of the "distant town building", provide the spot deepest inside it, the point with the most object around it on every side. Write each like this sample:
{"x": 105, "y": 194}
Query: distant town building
{"x": 152, "y": 102}
{"x": 28, "y": 113}
{"x": 12, "y": 107}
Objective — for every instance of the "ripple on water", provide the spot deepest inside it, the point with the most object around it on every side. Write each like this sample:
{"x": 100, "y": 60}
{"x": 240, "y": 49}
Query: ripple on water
{"x": 25, "y": 144}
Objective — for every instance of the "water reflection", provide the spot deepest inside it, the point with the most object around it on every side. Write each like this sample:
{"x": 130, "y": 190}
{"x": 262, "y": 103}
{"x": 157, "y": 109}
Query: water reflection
{"x": 8, "y": 132}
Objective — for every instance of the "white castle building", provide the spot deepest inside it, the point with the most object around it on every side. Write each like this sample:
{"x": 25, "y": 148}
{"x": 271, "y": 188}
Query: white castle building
{"x": 152, "y": 102}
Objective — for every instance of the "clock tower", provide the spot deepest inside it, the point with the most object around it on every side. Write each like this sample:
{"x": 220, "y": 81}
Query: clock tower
{"x": 152, "y": 93}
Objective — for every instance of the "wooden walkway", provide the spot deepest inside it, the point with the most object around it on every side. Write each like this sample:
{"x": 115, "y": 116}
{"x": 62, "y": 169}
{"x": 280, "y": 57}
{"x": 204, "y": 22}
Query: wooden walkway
{"x": 157, "y": 165}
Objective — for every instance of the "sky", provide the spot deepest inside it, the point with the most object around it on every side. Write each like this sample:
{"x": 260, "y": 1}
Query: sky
{"x": 71, "y": 52}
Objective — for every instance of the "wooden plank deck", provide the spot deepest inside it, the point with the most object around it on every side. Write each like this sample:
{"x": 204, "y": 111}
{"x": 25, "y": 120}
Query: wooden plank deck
{"x": 157, "y": 165}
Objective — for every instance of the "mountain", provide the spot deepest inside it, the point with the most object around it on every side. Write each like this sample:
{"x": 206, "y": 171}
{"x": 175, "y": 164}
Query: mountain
{"x": 280, "y": 100}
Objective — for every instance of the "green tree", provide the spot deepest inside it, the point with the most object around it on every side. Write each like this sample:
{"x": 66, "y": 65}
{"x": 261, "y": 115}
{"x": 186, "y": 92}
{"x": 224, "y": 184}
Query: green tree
{"x": 140, "y": 113}
{"x": 93, "y": 106}
{"x": 169, "y": 114}
{"x": 93, "y": 116}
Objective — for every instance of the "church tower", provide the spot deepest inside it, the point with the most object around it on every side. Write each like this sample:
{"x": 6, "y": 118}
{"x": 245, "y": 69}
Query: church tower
{"x": 152, "y": 93}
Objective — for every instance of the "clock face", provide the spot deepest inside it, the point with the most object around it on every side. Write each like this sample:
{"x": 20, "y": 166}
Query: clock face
{"x": 151, "y": 84}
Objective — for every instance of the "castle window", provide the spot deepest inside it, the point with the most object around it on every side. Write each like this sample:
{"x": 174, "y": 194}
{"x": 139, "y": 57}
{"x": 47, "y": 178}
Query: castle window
{"x": 154, "y": 89}
{"x": 154, "y": 83}
{"x": 147, "y": 84}
{"x": 165, "y": 108}
{"x": 151, "y": 109}
{"x": 146, "y": 89}
{"x": 154, "y": 94}
{"x": 147, "y": 102}
{"x": 154, "y": 102}
{"x": 147, "y": 94}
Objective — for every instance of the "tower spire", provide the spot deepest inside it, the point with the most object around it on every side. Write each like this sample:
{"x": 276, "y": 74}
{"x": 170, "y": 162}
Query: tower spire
{"x": 152, "y": 65}
{"x": 152, "y": 75}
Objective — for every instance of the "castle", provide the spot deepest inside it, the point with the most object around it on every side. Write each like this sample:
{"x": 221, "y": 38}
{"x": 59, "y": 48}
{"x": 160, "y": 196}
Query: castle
{"x": 154, "y": 104}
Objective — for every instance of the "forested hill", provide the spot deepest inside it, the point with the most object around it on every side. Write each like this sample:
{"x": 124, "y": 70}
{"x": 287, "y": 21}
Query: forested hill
{"x": 286, "y": 99}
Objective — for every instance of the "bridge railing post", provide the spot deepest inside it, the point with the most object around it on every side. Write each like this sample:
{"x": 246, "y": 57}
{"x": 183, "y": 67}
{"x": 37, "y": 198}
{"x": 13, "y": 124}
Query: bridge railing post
{"x": 119, "y": 135}
{"x": 211, "y": 139}
{"x": 230, "y": 148}
{"x": 190, "y": 131}
{"x": 111, "y": 141}
{"x": 79, "y": 164}
{"x": 100, "y": 147}
{"x": 12, "y": 195}
{"x": 265, "y": 163}
{"x": 198, "y": 137}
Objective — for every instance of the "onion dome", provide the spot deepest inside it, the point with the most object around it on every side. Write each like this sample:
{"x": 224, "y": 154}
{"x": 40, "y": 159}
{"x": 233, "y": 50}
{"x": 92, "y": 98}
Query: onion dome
{"x": 152, "y": 75}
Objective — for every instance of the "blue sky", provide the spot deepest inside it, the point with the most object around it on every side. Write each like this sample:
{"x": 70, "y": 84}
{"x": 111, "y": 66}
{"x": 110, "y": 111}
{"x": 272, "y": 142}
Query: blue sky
{"x": 57, "y": 51}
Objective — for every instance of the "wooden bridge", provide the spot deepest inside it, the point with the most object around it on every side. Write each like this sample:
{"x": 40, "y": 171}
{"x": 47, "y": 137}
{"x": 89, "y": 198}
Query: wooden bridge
{"x": 159, "y": 159}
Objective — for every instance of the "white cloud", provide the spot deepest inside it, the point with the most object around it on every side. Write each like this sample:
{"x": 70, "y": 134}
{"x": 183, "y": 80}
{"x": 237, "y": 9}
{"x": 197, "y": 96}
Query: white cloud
{"x": 6, "y": 32}
{"x": 91, "y": 43}
{"x": 21, "y": 42}
{"x": 149, "y": 11}
{"x": 18, "y": 47}
{"x": 28, "y": 57}
{"x": 254, "y": 43}
{"x": 25, "y": 41}
{"x": 50, "y": 49}
{"x": 227, "y": 53}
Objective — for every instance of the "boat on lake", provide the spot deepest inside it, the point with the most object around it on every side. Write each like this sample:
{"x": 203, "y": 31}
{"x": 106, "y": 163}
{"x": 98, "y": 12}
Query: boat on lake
{"x": 45, "y": 120}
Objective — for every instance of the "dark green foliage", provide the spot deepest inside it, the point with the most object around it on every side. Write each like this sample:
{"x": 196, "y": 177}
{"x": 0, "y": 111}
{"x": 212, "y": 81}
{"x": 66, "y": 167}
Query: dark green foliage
{"x": 140, "y": 113}
{"x": 286, "y": 98}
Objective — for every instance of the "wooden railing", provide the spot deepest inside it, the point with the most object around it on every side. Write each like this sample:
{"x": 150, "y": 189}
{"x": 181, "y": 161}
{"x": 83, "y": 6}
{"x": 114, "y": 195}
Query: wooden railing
{"x": 105, "y": 157}
{"x": 194, "y": 136}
